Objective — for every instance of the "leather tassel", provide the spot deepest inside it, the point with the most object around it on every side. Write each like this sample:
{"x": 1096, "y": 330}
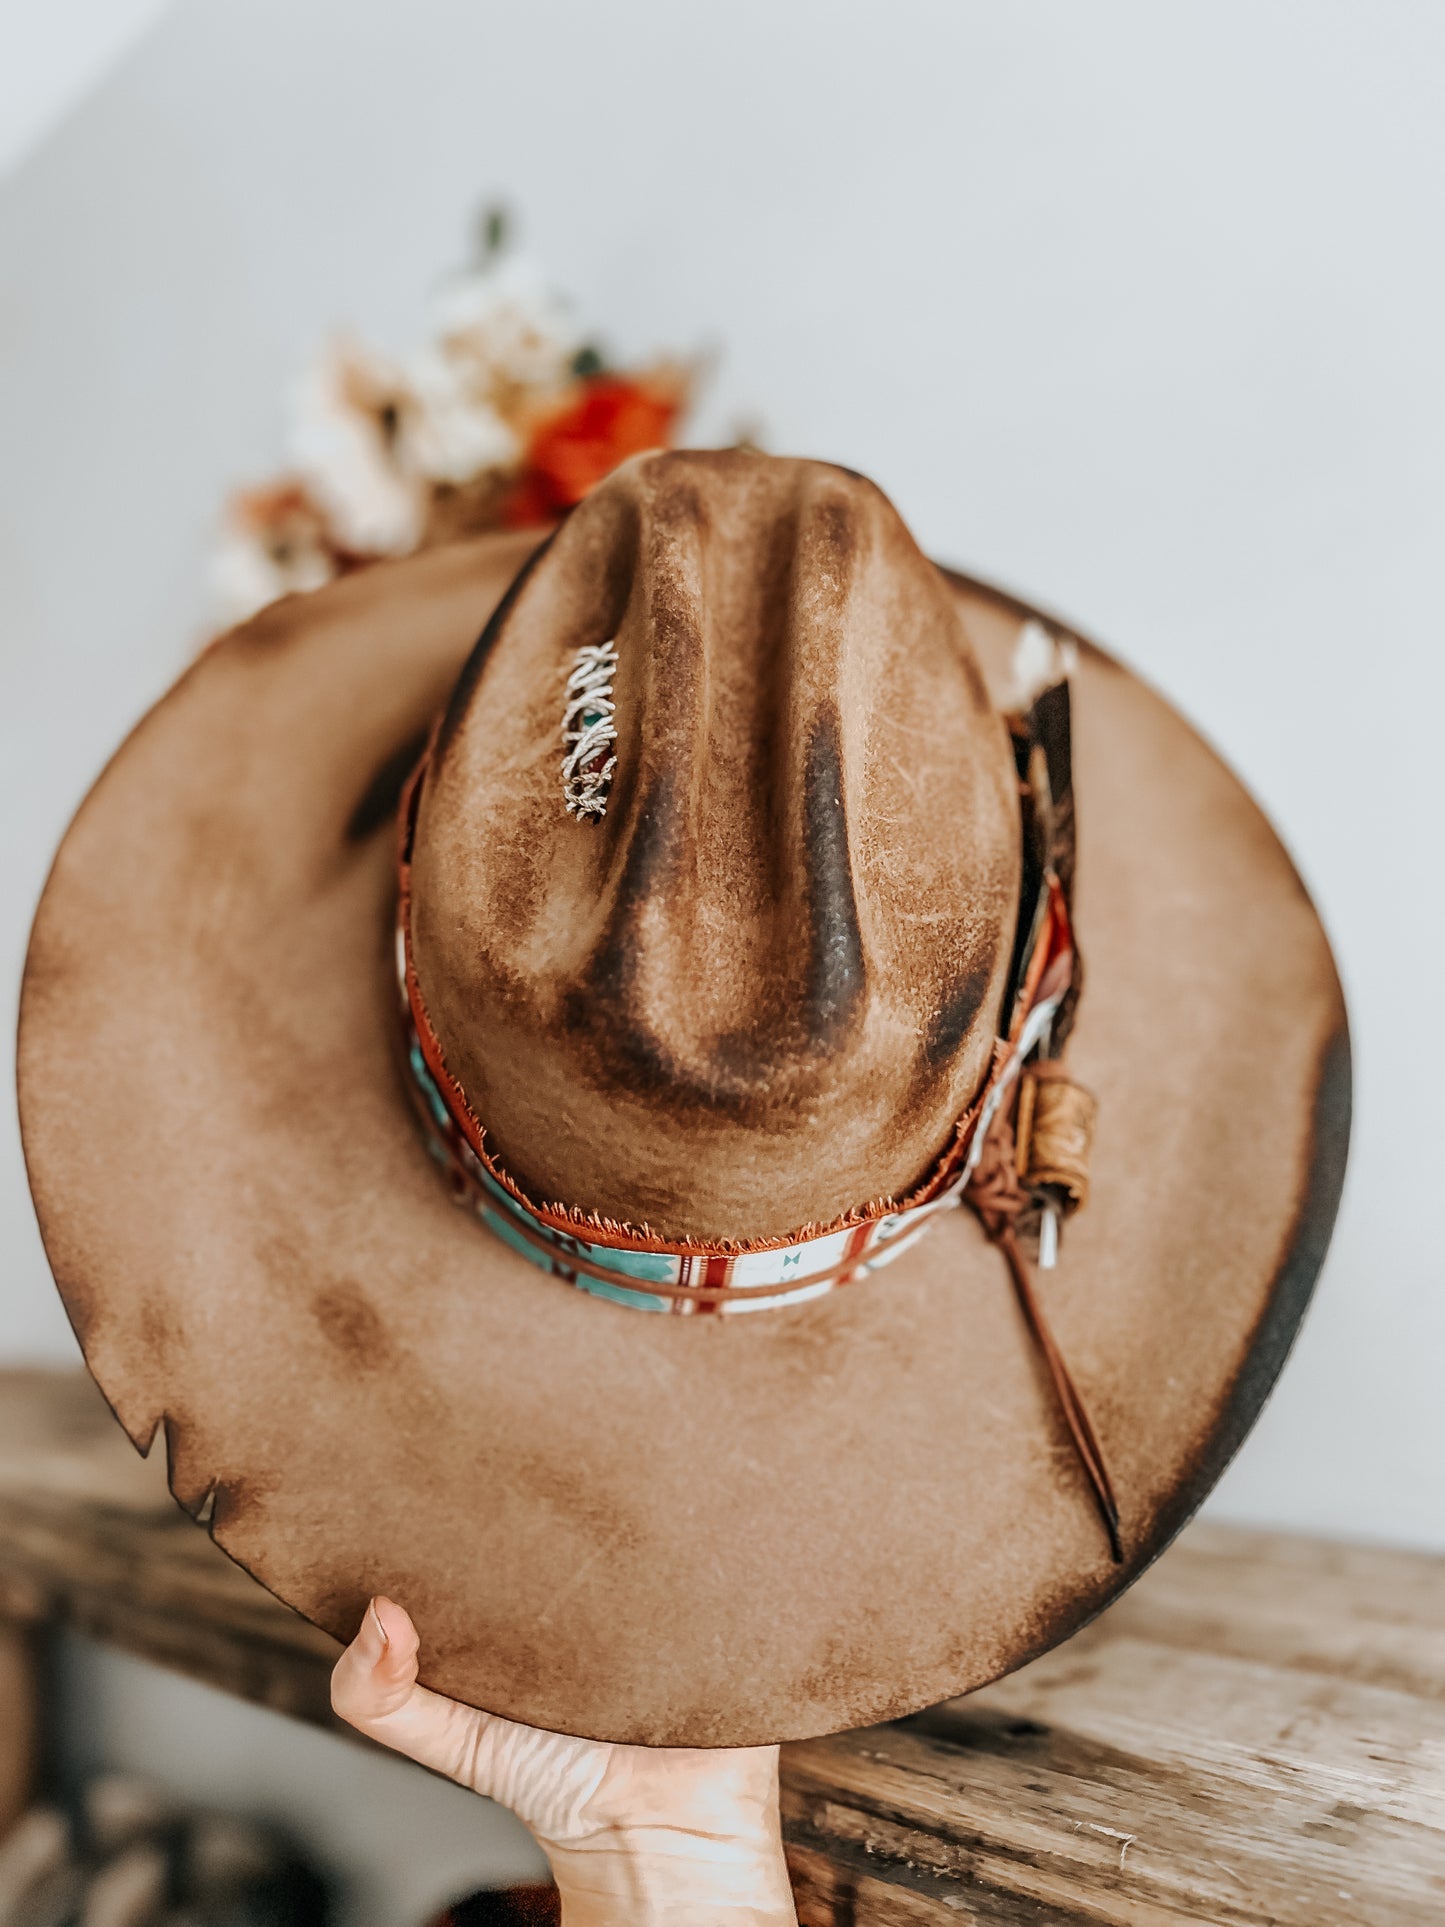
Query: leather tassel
{"x": 1071, "y": 1404}
{"x": 998, "y": 1199}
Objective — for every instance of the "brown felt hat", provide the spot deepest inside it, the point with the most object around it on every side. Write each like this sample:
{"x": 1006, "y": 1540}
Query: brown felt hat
{"x": 749, "y": 906}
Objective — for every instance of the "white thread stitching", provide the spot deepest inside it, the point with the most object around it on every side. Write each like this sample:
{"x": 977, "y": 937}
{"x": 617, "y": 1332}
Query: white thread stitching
{"x": 588, "y": 729}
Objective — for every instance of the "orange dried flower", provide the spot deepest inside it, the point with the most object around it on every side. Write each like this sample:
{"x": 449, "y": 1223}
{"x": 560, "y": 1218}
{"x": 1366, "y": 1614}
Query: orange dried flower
{"x": 608, "y": 418}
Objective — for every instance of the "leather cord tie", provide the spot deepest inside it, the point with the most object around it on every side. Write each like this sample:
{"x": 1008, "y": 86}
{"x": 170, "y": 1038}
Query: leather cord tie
{"x": 998, "y": 1198}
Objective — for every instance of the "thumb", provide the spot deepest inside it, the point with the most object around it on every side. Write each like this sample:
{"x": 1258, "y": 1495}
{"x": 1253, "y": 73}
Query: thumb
{"x": 374, "y": 1688}
{"x": 377, "y": 1673}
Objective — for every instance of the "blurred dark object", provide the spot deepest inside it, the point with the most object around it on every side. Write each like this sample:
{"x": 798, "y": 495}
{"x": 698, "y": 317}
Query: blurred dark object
{"x": 18, "y": 1725}
{"x": 128, "y": 1856}
{"x": 505, "y": 1907}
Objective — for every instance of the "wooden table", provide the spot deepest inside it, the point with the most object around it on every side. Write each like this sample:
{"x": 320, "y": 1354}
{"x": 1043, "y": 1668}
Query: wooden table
{"x": 1255, "y": 1733}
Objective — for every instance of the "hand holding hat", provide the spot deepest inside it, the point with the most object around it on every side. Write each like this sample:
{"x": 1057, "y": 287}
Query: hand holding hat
{"x": 633, "y": 1833}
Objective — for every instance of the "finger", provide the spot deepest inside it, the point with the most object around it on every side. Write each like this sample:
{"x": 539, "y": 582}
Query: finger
{"x": 377, "y": 1672}
{"x": 374, "y": 1688}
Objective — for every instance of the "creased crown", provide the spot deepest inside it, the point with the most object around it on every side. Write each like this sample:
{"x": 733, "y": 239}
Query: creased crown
{"x": 761, "y": 989}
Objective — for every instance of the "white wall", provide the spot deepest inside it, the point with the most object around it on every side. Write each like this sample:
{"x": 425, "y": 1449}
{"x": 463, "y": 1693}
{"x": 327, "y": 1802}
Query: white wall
{"x": 1138, "y": 308}
{"x": 51, "y": 54}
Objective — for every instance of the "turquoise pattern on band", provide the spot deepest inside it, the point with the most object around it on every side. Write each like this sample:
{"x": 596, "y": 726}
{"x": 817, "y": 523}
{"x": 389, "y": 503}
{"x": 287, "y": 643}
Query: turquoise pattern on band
{"x": 620, "y": 1274}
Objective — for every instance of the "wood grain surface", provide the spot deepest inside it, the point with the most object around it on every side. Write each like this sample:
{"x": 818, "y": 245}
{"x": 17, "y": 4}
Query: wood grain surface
{"x": 1254, "y": 1734}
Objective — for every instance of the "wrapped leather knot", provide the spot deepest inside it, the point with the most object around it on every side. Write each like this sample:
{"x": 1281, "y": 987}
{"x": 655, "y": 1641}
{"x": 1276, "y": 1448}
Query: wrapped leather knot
{"x": 994, "y": 1192}
{"x": 999, "y": 1200}
{"x": 1054, "y": 1132}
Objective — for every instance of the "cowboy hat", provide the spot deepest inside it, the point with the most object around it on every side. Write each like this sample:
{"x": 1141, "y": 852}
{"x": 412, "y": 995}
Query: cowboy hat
{"x": 749, "y": 897}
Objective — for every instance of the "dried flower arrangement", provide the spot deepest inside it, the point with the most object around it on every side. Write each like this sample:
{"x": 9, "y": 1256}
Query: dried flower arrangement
{"x": 504, "y": 419}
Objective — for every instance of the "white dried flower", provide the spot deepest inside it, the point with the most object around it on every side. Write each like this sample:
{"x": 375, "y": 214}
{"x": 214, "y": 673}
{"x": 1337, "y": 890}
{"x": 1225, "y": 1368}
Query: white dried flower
{"x": 273, "y": 543}
{"x": 452, "y": 435}
{"x": 355, "y": 412}
{"x": 503, "y": 327}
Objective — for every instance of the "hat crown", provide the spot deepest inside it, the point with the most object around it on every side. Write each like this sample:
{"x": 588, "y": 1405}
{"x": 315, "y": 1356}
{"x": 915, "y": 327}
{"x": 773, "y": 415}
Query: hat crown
{"x": 759, "y": 990}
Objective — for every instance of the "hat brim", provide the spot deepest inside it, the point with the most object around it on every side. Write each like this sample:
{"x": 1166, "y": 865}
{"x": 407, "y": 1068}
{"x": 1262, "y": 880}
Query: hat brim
{"x": 672, "y": 1531}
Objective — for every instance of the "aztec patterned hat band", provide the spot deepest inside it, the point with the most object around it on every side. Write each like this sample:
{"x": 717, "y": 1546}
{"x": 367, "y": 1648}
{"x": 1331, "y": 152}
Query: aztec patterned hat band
{"x": 1018, "y": 1157}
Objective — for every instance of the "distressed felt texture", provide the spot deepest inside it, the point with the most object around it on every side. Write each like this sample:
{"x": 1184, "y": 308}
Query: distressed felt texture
{"x": 764, "y": 987}
{"x": 644, "y": 1528}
